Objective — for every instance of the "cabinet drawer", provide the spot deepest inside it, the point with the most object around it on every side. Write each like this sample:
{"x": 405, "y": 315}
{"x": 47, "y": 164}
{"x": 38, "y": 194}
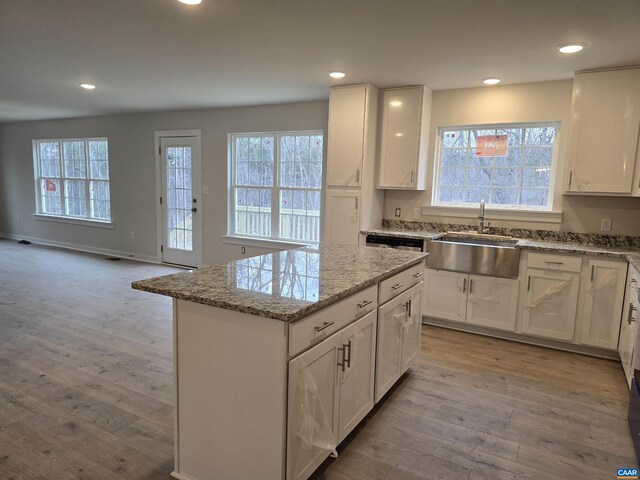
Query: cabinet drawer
{"x": 400, "y": 282}
{"x": 565, "y": 263}
{"x": 317, "y": 327}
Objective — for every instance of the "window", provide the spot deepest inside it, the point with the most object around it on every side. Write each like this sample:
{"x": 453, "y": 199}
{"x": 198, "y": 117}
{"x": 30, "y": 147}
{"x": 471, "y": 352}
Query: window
{"x": 507, "y": 166}
{"x": 72, "y": 178}
{"x": 276, "y": 184}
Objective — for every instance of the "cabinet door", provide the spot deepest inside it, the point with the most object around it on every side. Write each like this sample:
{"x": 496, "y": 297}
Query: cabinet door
{"x": 388, "y": 365}
{"x": 602, "y": 296}
{"x": 342, "y": 219}
{"x": 492, "y": 302}
{"x": 357, "y": 379}
{"x": 400, "y": 138}
{"x": 550, "y": 304}
{"x": 446, "y": 295}
{"x": 604, "y": 133}
{"x": 411, "y": 332}
{"x": 345, "y": 140}
{"x": 627, "y": 337}
{"x": 313, "y": 407}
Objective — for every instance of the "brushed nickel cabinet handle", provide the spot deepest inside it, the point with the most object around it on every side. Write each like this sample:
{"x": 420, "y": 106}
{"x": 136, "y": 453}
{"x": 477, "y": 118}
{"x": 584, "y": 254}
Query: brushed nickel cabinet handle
{"x": 324, "y": 326}
{"x": 418, "y": 275}
{"x": 630, "y": 318}
{"x": 554, "y": 263}
{"x": 358, "y": 176}
{"x": 570, "y": 178}
{"x": 471, "y": 286}
{"x": 397, "y": 286}
{"x": 364, "y": 304}
{"x": 592, "y": 269}
{"x": 342, "y": 365}
{"x": 347, "y": 360}
{"x": 529, "y": 283}
{"x": 464, "y": 286}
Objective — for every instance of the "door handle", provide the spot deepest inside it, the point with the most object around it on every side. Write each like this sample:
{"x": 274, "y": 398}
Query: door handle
{"x": 194, "y": 209}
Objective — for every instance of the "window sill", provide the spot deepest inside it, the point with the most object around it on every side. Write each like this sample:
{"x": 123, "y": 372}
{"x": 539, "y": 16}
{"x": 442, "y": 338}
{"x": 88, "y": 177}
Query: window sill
{"x": 493, "y": 214}
{"x": 74, "y": 221}
{"x": 262, "y": 242}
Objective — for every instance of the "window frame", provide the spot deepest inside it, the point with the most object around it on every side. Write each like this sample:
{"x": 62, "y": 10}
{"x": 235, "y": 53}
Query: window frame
{"x": 510, "y": 212}
{"x": 38, "y": 177}
{"x": 276, "y": 188}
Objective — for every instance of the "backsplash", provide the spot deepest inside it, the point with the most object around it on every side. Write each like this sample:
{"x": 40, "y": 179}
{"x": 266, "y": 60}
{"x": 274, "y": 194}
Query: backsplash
{"x": 595, "y": 239}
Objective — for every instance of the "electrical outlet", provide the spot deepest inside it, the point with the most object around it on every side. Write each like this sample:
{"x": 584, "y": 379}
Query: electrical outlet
{"x": 398, "y": 212}
{"x": 605, "y": 225}
{"x": 416, "y": 213}
{"x": 132, "y": 236}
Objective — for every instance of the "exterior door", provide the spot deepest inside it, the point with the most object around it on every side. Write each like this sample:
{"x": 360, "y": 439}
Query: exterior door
{"x": 180, "y": 200}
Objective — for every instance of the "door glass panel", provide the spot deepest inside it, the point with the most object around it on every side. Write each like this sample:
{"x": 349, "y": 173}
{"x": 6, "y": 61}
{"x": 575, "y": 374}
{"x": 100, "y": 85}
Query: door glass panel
{"x": 179, "y": 198}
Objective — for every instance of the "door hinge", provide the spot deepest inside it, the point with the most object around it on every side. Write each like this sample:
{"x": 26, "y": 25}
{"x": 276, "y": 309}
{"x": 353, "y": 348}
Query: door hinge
{"x": 159, "y": 150}
{"x": 161, "y": 248}
{"x": 356, "y": 203}
{"x": 160, "y": 200}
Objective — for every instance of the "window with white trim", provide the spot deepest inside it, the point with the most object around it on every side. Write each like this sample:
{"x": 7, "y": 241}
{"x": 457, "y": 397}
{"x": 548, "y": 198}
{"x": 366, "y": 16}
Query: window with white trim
{"x": 72, "y": 178}
{"x": 276, "y": 185}
{"x": 507, "y": 166}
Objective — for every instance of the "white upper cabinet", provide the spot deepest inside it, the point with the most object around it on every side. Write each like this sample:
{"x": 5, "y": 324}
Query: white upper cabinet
{"x": 348, "y": 132}
{"x": 603, "y": 145}
{"x": 404, "y": 138}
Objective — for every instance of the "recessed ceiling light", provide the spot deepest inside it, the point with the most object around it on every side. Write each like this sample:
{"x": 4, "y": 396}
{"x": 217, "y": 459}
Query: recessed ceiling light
{"x": 491, "y": 81}
{"x": 395, "y": 103}
{"x": 88, "y": 86}
{"x": 571, "y": 47}
{"x": 337, "y": 74}
{"x": 191, "y": 2}
{"x": 399, "y": 134}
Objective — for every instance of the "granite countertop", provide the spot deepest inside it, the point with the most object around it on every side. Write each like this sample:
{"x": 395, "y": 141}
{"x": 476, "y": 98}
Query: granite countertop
{"x": 631, "y": 255}
{"x": 287, "y": 285}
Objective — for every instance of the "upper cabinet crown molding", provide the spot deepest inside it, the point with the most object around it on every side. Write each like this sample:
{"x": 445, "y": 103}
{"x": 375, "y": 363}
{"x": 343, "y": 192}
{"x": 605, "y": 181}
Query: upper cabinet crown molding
{"x": 404, "y": 138}
{"x": 603, "y": 144}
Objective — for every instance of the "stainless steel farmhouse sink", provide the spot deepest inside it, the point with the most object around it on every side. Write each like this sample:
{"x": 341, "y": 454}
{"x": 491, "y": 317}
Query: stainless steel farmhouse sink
{"x": 482, "y": 256}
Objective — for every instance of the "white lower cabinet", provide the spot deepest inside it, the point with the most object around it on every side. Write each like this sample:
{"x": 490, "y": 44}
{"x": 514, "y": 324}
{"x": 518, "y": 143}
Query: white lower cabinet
{"x": 492, "y": 302}
{"x": 399, "y": 327}
{"x": 474, "y": 299}
{"x": 445, "y": 295}
{"x": 331, "y": 389}
{"x": 550, "y": 304}
{"x": 628, "y": 327}
{"x": 601, "y": 299}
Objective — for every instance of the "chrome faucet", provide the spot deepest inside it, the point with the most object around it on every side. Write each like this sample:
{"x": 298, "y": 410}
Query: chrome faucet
{"x": 481, "y": 218}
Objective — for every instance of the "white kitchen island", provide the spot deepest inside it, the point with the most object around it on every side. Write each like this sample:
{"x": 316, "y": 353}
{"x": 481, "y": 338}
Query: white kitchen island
{"x": 278, "y": 357}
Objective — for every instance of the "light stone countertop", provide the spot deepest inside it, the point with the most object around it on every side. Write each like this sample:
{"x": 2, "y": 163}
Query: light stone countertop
{"x": 630, "y": 255}
{"x": 287, "y": 285}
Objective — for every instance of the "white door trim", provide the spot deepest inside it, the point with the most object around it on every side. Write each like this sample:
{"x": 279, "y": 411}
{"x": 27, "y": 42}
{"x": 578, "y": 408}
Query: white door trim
{"x": 197, "y": 186}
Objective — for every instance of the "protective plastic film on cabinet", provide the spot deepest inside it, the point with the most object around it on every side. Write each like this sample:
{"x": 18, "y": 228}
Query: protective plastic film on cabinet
{"x": 313, "y": 430}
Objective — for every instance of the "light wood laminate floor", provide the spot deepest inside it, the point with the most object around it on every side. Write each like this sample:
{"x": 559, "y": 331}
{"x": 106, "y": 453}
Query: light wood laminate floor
{"x": 85, "y": 391}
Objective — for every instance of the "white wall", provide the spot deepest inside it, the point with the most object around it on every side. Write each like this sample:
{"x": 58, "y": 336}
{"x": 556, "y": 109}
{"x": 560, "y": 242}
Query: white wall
{"x": 535, "y": 102}
{"x": 133, "y": 175}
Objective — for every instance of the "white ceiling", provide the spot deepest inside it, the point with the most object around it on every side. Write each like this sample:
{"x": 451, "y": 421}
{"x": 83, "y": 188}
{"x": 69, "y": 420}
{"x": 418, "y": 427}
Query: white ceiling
{"x": 160, "y": 54}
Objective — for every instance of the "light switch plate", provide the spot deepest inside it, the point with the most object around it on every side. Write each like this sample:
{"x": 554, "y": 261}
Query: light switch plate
{"x": 605, "y": 225}
{"x": 398, "y": 212}
{"x": 416, "y": 213}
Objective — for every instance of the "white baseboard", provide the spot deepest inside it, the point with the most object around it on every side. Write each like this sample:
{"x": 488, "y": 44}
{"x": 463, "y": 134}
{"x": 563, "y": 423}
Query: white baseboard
{"x": 82, "y": 248}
